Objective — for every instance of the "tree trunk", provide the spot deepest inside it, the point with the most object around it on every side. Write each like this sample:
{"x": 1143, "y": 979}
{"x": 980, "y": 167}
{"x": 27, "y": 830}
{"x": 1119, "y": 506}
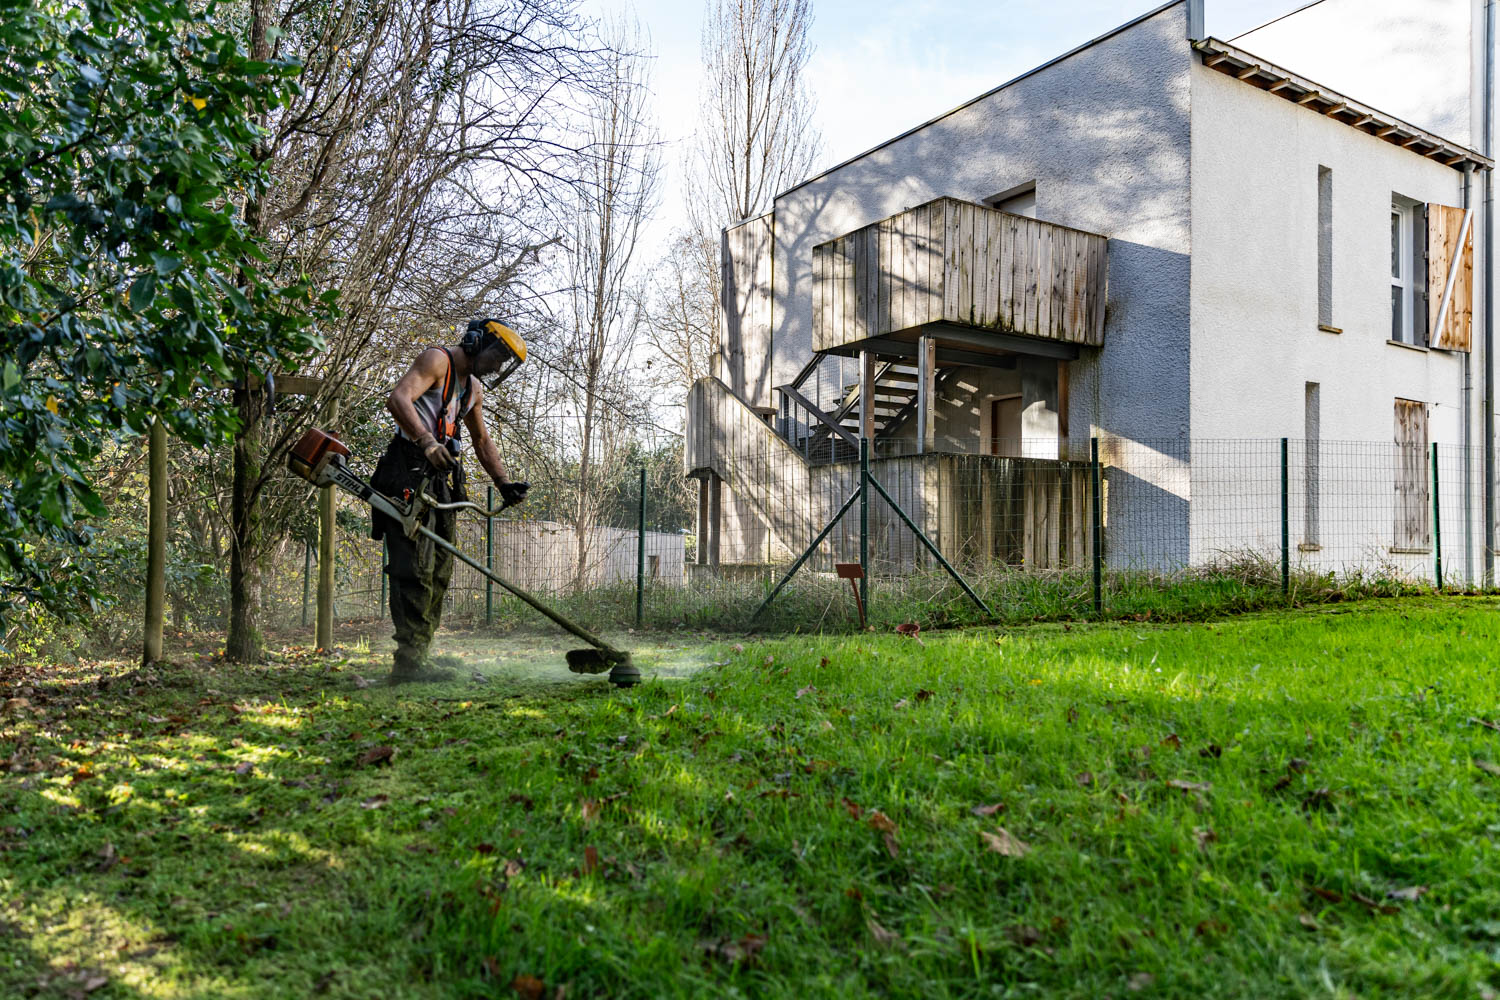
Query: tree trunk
{"x": 243, "y": 644}
{"x": 156, "y": 544}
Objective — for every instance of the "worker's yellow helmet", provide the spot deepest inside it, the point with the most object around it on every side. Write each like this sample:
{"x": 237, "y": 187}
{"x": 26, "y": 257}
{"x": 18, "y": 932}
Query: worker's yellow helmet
{"x": 483, "y": 332}
{"x": 507, "y": 336}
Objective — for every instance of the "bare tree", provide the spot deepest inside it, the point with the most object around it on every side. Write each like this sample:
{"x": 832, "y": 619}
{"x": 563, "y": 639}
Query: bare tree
{"x": 682, "y": 309}
{"x": 756, "y": 137}
{"x": 616, "y": 198}
{"x": 416, "y": 171}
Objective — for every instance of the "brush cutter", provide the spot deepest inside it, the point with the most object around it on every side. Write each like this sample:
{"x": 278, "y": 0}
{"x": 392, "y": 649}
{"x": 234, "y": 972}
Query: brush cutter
{"x": 322, "y": 459}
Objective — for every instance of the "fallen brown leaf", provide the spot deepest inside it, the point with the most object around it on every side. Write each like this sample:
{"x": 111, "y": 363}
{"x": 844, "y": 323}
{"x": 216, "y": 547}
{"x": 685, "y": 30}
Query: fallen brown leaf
{"x": 880, "y": 821}
{"x": 513, "y": 867}
{"x": 1205, "y": 836}
{"x": 1172, "y": 740}
{"x": 485, "y": 848}
{"x": 1318, "y": 798}
{"x": 590, "y": 860}
{"x": 376, "y": 755}
{"x": 989, "y": 810}
{"x": 883, "y": 937}
{"x": 1139, "y": 981}
{"x": 1408, "y": 895}
{"x": 1188, "y": 786}
{"x": 903, "y": 703}
{"x": 1374, "y": 906}
{"x": 244, "y": 767}
{"x": 375, "y": 802}
{"x": 1328, "y": 895}
{"x": 740, "y": 950}
{"x": 528, "y": 987}
{"x": 589, "y": 810}
{"x": 1486, "y": 724}
{"x": 1306, "y": 920}
{"x": 890, "y": 845}
{"x": 853, "y": 808}
{"x": 1024, "y": 935}
{"x": 1487, "y": 767}
{"x": 1004, "y": 844}
{"x": 1085, "y": 779}
{"x": 807, "y": 690}
{"x": 1211, "y": 928}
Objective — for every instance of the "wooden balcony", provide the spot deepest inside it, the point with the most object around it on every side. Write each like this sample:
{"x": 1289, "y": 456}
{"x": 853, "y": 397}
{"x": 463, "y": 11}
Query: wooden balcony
{"x": 979, "y": 280}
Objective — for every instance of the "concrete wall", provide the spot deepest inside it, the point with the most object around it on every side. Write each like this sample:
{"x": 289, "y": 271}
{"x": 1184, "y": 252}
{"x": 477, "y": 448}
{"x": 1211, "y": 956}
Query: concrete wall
{"x": 1104, "y": 133}
{"x": 1256, "y": 341}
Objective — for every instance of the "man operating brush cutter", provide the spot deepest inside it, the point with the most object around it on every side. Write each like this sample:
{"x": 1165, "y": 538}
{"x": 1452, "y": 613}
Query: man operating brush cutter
{"x": 440, "y": 394}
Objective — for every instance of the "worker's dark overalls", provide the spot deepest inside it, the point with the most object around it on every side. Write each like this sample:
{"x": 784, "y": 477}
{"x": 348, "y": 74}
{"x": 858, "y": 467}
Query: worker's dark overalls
{"x": 418, "y": 569}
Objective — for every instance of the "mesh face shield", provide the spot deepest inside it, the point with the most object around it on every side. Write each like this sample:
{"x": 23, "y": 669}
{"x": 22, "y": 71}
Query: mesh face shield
{"x": 496, "y": 335}
{"x": 506, "y": 370}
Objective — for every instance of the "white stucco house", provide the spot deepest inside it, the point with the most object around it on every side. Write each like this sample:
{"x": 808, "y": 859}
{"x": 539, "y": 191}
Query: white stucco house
{"x": 1184, "y": 247}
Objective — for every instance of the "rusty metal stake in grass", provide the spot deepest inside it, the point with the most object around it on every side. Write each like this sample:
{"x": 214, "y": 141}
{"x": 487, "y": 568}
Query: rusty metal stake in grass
{"x": 853, "y": 572}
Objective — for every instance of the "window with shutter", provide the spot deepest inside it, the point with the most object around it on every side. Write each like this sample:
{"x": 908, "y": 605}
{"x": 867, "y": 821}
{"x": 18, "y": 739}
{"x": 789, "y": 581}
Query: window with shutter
{"x": 1450, "y": 277}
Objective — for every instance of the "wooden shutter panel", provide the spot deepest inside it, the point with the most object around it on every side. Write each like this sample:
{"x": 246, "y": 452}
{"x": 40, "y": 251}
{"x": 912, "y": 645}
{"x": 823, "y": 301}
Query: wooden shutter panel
{"x": 1444, "y": 226}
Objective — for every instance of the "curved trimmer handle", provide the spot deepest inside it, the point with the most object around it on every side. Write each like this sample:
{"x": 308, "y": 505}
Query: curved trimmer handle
{"x": 430, "y": 502}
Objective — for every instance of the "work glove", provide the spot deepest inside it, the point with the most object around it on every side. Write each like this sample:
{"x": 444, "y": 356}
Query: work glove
{"x": 512, "y": 493}
{"x": 437, "y": 456}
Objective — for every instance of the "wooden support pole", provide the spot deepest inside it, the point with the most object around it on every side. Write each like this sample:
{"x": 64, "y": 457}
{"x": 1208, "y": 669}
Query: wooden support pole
{"x": 325, "y": 553}
{"x": 703, "y": 491}
{"x": 715, "y": 518}
{"x": 926, "y": 394}
{"x": 156, "y": 543}
{"x": 867, "y": 362}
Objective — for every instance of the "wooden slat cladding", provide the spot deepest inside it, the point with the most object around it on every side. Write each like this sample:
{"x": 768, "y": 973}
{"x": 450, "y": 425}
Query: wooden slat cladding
{"x": 1412, "y": 499}
{"x": 952, "y": 261}
{"x": 746, "y": 264}
{"x": 982, "y": 511}
{"x": 1444, "y": 226}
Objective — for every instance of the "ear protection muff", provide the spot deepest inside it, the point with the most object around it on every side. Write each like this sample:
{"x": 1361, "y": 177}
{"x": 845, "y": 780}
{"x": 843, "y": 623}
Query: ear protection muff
{"x": 481, "y": 333}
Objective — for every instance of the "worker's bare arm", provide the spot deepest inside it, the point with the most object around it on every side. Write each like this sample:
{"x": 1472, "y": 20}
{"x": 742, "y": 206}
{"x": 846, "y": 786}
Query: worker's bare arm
{"x": 484, "y": 445}
{"x": 424, "y": 373}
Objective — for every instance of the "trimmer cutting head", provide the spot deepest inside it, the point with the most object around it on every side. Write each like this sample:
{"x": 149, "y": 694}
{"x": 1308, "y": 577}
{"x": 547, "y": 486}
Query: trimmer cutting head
{"x": 622, "y": 672}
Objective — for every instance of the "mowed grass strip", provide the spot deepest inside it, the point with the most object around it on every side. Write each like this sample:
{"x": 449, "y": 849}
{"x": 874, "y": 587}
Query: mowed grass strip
{"x": 1290, "y": 805}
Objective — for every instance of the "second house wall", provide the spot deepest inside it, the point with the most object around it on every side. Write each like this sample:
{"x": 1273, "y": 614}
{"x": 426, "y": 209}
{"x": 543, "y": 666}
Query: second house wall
{"x": 1256, "y": 338}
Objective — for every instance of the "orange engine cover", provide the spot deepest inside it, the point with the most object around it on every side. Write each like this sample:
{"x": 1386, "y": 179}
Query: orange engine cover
{"x": 312, "y": 450}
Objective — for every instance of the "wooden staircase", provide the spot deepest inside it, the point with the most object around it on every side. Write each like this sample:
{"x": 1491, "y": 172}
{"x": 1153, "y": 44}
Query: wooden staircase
{"x": 834, "y": 436}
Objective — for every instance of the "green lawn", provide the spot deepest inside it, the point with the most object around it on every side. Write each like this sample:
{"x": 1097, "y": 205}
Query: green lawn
{"x": 1283, "y": 805}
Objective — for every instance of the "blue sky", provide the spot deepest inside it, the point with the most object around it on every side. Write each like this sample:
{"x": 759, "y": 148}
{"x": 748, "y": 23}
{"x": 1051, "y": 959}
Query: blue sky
{"x": 879, "y": 69}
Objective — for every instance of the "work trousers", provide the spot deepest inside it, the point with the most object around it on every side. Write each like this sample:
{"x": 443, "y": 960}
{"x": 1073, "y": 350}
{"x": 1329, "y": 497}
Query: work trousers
{"x": 419, "y": 571}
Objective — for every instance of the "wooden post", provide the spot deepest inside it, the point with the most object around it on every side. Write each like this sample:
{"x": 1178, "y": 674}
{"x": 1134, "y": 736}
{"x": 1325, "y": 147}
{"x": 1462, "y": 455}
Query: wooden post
{"x": 926, "y": 396}
{"x": 867, "y": 362}
{"x": 715, "y": 519}
{"x": 703, "y": 492}
{"x": 156, "y": 543}
{"x": 325, "y": 553}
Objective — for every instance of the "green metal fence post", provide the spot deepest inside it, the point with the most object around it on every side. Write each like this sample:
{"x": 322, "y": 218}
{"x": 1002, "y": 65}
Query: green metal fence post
{"x": 640, "y": 557}
{"x": 489, "y": 556}
{"x": 306, "y": 578}
{"x": 1098, "y": 512}
{"x": 1286, "y": 535}
{"x": 864, "y": 523}
{"x": 1437, "y": 523}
